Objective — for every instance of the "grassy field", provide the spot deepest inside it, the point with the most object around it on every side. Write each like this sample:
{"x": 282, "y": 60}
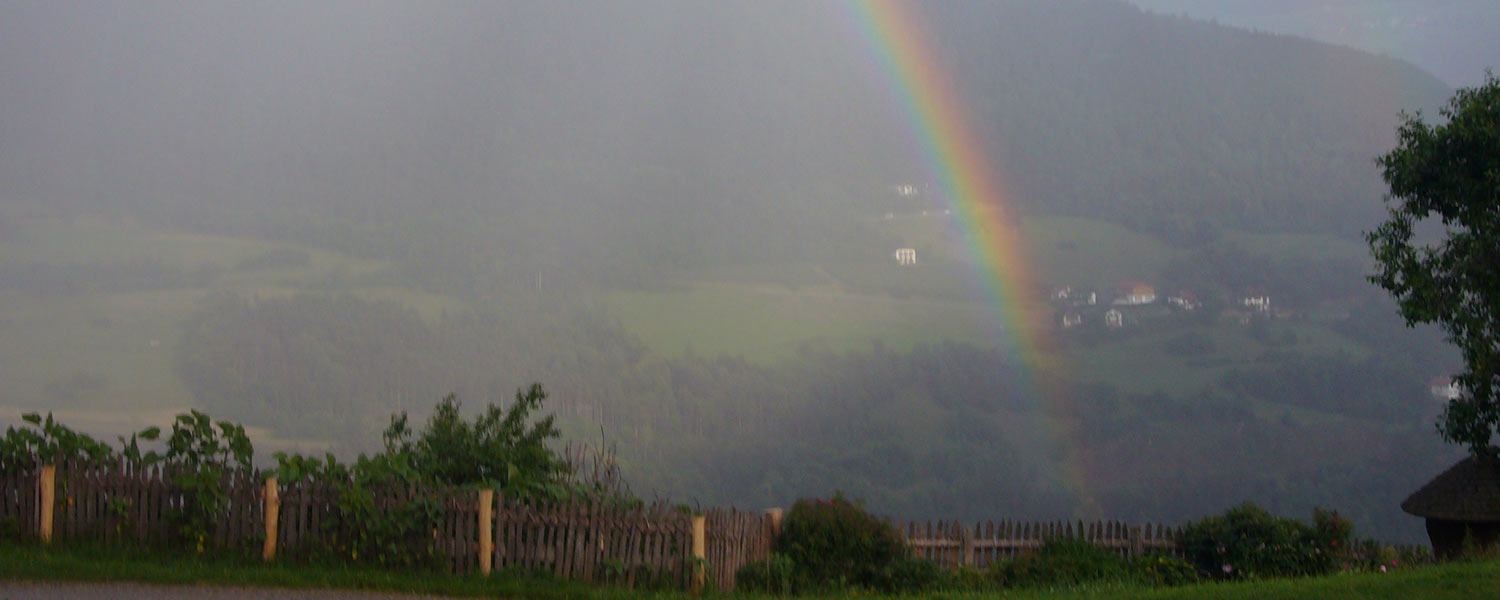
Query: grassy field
{"x": 1136, "y": 361}
{"x": 770, "y": 323}
{"x": 1063, "y": 250}
{"x": 1071, "y": 251}
{"x": 26, "y": 562}
{"x": 107, "y": 350}
{"x": 766, "y": 313}
{"x": 105, "y": 356}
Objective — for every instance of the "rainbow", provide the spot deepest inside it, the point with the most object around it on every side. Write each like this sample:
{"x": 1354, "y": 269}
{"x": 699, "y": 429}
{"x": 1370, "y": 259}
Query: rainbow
{"x": 976, "y": 193}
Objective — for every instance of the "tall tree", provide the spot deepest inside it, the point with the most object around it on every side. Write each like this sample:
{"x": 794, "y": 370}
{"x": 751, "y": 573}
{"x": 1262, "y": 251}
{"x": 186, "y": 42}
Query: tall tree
{"x": 1450, "y": 172}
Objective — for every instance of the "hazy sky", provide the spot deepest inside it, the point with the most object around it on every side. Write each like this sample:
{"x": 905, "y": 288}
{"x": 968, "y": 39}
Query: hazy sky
{"x": 1453, "y": 39}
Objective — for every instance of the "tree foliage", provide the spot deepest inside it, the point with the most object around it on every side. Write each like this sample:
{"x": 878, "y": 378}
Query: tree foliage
{"x": 500, "y": 447}
{"x": 1450, "y": 172}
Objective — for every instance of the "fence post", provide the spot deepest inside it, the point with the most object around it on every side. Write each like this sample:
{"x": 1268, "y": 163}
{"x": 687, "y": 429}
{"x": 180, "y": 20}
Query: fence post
{"x": 273, "y": 518}
{"x": 47, "y": 485}
{"x": 773, "y": 518}
{"x": 1137, "y": 543}
{"x": 486, "y": 530}
{"x": 966, "y": 545}
{"x": 700, "y": 553}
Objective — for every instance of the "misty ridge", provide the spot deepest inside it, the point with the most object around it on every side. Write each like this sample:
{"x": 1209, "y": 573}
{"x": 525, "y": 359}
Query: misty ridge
{"x": 680, "y": 218}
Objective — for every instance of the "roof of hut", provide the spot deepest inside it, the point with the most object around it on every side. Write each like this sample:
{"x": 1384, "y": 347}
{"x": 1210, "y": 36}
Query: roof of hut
{"x": 1467, "y": 491}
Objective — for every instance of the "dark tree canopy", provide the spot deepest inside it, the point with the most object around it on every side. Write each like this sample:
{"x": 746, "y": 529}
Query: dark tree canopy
{"x": 1450, "y": 173}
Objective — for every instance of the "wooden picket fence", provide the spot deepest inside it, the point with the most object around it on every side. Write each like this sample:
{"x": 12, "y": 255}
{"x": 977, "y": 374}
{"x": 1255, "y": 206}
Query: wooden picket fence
{"x": 19, "y": 513}
{"x": 594, "y": 542}
{"x": 735, "y": 539}
{"x": 309, "y": 522}
{"x": 950, "y": 544}
{"x": 633, "y": 546}
{"x": 118, "y": 501}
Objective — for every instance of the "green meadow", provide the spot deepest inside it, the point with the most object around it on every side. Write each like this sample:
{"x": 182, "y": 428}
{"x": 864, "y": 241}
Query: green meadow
{"x": 770, "y": 323}
{"x": 100, "y": 354}
{"x": 107, "y": 349}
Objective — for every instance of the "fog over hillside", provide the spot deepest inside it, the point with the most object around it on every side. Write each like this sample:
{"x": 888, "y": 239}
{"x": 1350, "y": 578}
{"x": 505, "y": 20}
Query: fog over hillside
{"x": 682, "y": 218}
{"x": 371, "y": 111}
{"x": 1454, "y": 39}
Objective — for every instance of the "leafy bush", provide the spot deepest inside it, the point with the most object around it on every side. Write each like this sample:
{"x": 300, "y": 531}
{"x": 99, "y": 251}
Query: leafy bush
{"x": 1163, "y": 570}
{"x": 206, "y": 453}
{"x": 1069, "y": 562}
{"x": 835, "y": 544}
{"x": 772, "y": 575}
{"x": 500, "y": 447}
{"x": 1248, "y": 542}
{"x": 361, "y": 528}
{"x": 46, "y": 440}
{"x": 964, "y": 578}
{"x": 1062, "y": 562}
{"x": 915, "y": 575}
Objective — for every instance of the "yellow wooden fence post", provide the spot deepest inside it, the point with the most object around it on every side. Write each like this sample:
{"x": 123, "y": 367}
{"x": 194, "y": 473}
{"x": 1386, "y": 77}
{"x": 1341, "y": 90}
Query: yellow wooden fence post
{"x": 486, "y": 530}
{"x": 773, "y": 516}
{"x": 700, "y": 553}
{"x": 273, "y": 518}
{"x": 48, "y": 488}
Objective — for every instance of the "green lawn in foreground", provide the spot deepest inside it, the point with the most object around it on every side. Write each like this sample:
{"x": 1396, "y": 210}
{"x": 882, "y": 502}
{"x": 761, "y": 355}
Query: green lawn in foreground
{"x": 1466, "y": 580}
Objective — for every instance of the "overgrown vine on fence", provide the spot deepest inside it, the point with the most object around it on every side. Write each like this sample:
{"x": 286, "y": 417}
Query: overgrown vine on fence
{"x": 205, "y": 455}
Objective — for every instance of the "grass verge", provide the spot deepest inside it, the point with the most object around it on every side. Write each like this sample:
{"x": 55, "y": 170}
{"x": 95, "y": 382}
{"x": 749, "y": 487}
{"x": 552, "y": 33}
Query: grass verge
{"x": 33, "y": 562}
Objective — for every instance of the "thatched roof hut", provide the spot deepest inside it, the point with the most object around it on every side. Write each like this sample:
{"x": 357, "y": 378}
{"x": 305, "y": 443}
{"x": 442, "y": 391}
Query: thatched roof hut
{"x": 1462, "y": 502}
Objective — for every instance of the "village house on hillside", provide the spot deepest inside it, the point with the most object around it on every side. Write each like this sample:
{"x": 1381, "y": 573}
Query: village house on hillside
{"x": 1135, "y": 293}
{"x": 1071, "y": 296}
{"x": 1114, "y": 319}
{"x": 1185, "y": 300}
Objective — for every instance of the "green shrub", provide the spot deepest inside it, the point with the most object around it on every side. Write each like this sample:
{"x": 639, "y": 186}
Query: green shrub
{"x": 205, "y": 453}
{"x": 964, "y": 578}
{"x": 772, "y": 575}
{"x": 835, "y": 544}
{"x": 1248, "y": 542}
{"x": 44, "y": 440}
{"x": 909, "y": 575}
{"x": 1062, "y": 562}
{"x": 1163, "y": 570}
{"x": 504, "y": 448}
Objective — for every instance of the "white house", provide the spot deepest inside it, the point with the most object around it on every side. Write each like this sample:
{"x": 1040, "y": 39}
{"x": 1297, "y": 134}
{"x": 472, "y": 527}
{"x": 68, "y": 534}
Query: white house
{"x": 1076, "y": 297}
{"x": 1114, "y": 319}
{"x": 1257, "y": 303}
{"x": 1136, "y": 293}
{"x": 1071, "y": 320}
{"x": 1185, "y": 301}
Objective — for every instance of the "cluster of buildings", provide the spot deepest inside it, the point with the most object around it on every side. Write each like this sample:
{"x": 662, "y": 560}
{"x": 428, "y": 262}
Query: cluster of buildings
{"x": 1080, "y": 307}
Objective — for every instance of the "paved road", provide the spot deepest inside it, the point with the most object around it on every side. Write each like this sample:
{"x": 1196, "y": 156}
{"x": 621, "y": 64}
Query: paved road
{"x": 47, "y": 590}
